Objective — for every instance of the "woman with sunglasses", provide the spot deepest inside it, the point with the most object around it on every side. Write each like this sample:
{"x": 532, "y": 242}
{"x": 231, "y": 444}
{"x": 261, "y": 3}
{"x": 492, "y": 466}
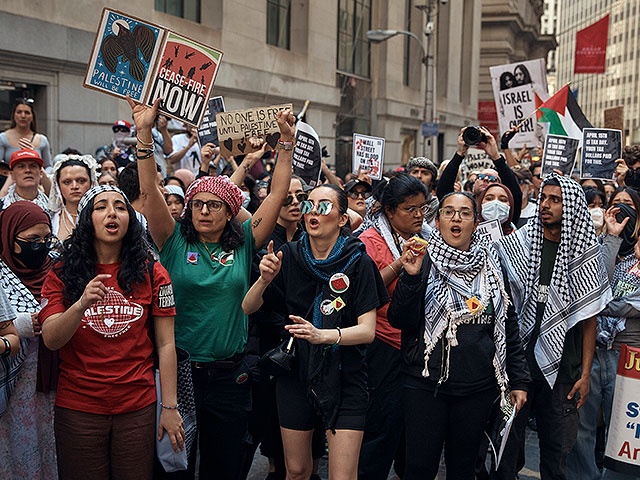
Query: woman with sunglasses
{"x": 27, "y": 448}
{"x": 404, "y": 202}
{"x": 460, "y": 343}
{"x": 23, "y": 133}
{"x": 208, "y": 256}
{"x": 329, "y": 289}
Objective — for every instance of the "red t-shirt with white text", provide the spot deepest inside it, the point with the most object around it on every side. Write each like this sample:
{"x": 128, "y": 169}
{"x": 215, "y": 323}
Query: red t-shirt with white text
{"x": 107, "y": 366}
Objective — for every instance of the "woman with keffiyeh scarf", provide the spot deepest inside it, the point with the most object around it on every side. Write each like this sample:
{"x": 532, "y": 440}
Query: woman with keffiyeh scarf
{"x": 330, "y": 289}
{"x": 460, "y": 343}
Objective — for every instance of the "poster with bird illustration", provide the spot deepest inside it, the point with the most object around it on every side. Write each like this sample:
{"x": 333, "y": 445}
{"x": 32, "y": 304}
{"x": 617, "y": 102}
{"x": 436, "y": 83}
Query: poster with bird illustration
{"x": 124, "y": 55}
{"x": 131, "y": 56}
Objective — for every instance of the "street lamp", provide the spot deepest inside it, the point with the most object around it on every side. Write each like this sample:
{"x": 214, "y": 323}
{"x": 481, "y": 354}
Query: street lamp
{"x": 378, "y": 36}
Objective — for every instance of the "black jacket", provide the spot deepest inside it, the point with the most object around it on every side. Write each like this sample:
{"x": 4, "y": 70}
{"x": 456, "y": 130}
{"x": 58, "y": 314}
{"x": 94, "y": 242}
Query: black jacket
{"x": 474, "y": 355}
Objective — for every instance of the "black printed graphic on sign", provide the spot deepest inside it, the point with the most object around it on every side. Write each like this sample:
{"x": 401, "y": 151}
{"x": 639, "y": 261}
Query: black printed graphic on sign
{"x": 208, "y": 131}
{"x": 601, "y": 147}
{"x": 559, "y": 154}
{"x": 307, "y": 160}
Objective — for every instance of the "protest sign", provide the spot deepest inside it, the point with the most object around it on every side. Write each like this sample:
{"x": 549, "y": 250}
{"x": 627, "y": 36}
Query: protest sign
{"x": 515, "y": 87}
{"x": 491, "y": 230}
{"x": 474, "y": 161}
{"x": 121, "y": 71}
{"x": 559, "y": 154}
{"x": 601, "y": 147}
{"x": 235, "y": 127}
{"x": 614, "y": 118}
{"x": 307, "y": 154}
{"x": 208, "y": 131}
{"x": 146, "y": 61}
{"x": 621, "y": 452}
{"x": 368, "y": 155}
{"x": 184, "y": 78}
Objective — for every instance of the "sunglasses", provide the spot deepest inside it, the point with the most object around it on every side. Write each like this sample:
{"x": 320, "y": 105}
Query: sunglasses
{"x": 323, "y": 207}
{"x": 363, "y": 195}
{"x": 484, "y": 176}
{"x": 121, "y": 129}
{"x": 301, "y": 197}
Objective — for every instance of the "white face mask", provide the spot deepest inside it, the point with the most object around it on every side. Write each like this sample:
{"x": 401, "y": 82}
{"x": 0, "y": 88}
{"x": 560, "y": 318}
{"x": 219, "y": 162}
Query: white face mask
{"x": 118, "y": 138}
{"x": 496, "y": 210}
{"x": 246, "y": 201}
{"x": 597, "y": 216}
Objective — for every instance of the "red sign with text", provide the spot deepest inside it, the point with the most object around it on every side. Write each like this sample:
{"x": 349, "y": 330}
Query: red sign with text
{"x": 591, "y": 47}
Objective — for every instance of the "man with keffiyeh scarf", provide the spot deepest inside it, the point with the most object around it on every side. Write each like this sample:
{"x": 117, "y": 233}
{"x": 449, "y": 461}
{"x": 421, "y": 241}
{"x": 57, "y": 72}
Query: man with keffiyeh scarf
{"x": 559, "y": 284}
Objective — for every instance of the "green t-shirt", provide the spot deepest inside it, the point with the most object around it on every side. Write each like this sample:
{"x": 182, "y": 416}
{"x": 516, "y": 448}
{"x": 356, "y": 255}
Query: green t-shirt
{"x": 571, "y": 360}
{"x": 209, "y": 322}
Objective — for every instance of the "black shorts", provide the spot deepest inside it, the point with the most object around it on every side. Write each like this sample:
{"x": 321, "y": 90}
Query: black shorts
{"x": 296, "y": 411}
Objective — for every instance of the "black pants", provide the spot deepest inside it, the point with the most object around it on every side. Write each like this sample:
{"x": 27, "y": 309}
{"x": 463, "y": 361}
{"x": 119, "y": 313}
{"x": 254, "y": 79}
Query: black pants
{"x": 456, "y": 422}
{"x": 557, "y": 420}
{"x": 384, "y": 425}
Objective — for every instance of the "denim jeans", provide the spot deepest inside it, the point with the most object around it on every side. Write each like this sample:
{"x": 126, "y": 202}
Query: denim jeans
{"x": 581, "y": 462}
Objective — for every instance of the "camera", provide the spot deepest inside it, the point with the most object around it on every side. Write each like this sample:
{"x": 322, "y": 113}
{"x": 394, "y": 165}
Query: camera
{"x": 473, "y": 136}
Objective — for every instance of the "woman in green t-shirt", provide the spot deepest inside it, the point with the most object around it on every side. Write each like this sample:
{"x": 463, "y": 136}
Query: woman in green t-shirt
{"x": 208, "y": 256}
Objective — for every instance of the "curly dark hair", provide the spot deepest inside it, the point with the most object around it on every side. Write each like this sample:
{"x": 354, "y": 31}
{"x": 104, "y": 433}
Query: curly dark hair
{"x": 631, "y": 154}
{"x": 232, "y": 235}
{"x": 77, "y": 266}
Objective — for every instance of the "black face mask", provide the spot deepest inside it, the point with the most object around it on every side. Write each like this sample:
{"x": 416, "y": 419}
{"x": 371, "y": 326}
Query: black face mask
{"x": 628, "y": 241}
{"x": 32, "y": 258}
{"x": 632, "y": 179}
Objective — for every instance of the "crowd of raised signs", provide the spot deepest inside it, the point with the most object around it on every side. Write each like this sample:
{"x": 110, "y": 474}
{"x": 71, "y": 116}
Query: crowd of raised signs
{"x": 153, "y": 291}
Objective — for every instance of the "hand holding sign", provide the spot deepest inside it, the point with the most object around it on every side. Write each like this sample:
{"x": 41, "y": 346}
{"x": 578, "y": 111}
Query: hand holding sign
{"x": 621, "y": 171}
{"x": 143, "y": 116}
{"x": 287, "y": 125}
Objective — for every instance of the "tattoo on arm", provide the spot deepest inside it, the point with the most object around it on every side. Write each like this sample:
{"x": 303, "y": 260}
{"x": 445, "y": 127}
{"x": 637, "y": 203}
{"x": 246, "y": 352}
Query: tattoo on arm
{"x": 256, "y": 222}
{"x": 4, "y": 325}
{"x": 247, "y": 167}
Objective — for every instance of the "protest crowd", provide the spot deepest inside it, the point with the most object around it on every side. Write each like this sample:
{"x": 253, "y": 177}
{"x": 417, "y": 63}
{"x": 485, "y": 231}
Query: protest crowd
{"x": 167, "y": 311}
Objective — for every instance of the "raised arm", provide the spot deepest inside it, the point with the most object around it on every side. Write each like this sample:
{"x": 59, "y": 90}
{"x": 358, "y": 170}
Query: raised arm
{"x": 264, "y": 219}
{"x": 161, "y": 223}
{"x": 249, "y": 161}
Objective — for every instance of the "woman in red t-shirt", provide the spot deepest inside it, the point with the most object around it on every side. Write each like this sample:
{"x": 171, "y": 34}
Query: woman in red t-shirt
{"x": 100, "y": 297}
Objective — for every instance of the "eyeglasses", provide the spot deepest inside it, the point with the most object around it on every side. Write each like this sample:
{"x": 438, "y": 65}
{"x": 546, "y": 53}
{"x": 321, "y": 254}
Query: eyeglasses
{"x": 121, "y": 129}
{"x": 323, "y": 207}
{"x": 413, "y": 210}
{"x": 301, "y": 197}
{"x": 484, "y": 176}
{"x": 38, "y": 243}
{"x": 212, "y": 205}
{"x": 463, "y": 213}
{"x": 355, "y": 195}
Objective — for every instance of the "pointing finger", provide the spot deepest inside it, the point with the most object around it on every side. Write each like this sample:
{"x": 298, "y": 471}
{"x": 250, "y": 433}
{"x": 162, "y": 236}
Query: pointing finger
{"x": 270, "y": 247}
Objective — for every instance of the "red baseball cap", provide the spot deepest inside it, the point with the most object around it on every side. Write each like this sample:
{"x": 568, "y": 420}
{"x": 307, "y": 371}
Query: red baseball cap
{"x": 121, "y": 123}
{"x": 25, "y": 154}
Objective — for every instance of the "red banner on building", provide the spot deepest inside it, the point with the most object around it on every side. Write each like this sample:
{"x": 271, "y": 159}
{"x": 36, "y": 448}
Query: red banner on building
{"x": 488, "y": 117}
{"x": 591, "y": 47}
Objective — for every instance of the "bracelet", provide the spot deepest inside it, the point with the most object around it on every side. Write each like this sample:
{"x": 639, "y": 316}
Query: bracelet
{"x": 145, "y": 156}
{"x": 393, "y": 269}
{"x": 339, "y": 336}
{"x": 169, "y": 408}
{"x": 7, "y": 347}
{"x": 144, "y": 150}
{"x": 144, "y": 144}
{"x": 286, "y": 145}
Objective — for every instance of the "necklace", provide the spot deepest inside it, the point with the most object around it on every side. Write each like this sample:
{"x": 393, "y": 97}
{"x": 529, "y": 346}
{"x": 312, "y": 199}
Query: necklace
{"x": 213, "y": 255}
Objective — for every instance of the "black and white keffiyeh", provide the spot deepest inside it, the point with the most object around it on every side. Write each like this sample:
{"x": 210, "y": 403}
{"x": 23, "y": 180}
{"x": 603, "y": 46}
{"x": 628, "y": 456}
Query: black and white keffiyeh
{"x": 579, "y": 286}
{"x": 455, "y": 277}
{"x": 21, "y": 300}
{"x": 380, "y": 222}
{"x": 12, "y": 197}
{"x": 93, "y": 192}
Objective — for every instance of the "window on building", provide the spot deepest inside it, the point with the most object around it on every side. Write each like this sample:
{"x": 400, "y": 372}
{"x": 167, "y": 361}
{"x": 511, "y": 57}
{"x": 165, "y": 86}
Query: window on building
{"x": 189, "y": 9}
{"x": 279, "y": 23}
{"x": 354, "y": 19}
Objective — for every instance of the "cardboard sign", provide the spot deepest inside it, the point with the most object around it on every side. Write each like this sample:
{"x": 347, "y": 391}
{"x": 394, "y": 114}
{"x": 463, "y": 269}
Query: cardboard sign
{"x": 234, "y": 128}
{"x": 307, "y": 154}
{"x": 368, "y": 154}
{"x": 184, "y": 78}
{"x": 208, "y": 131}
{"x": 559, "y": 154}
{"x": 491, "y": 230}
{"x": 514, "y": 89}
{"x": 624, "y": 429}
{"x": 475, "y": 160}
{"x": 601, "y": 147}
{"x": 145, "y": 61}
{"x": 614, "y": 118}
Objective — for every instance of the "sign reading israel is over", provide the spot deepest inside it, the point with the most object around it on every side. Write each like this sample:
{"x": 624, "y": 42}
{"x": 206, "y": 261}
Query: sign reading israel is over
{"x": 133, "y": 57}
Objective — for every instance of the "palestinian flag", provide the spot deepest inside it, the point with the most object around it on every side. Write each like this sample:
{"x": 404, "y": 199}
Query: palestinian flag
{"x": 563, "y": 114}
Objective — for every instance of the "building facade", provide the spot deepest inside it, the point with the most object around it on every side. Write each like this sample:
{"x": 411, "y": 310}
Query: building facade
{"x": 619, "y": 85}
{"x": 274, "y": 51}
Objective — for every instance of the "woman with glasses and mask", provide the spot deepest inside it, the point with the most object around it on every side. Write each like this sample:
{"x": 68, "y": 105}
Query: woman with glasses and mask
{"x": 23, "y": 133}
{"x": 329, "y": 289}
{"x": 27, "y": 448}
{"x": 404, "y": 202}
{"x": 460, "y": 343}
{"x": 208, "y": 256}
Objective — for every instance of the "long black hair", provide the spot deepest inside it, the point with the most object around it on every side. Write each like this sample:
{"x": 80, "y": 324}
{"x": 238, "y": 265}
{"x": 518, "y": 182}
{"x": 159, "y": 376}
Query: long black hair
{"x": 77, "y": 266}
{"x": 232, "y": 235}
